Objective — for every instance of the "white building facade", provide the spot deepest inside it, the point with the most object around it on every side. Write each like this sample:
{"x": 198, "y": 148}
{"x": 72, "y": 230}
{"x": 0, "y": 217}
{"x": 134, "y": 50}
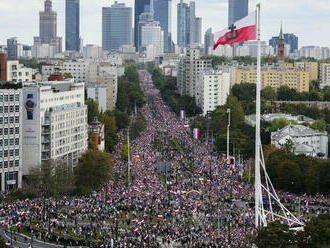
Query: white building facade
{"x": 306, "y": 140}
{"x": 16, "y": 72}
{"x": 213, "y": 90}
{"x": 152, "y": 35}
{"x": 10, "y": 139}
{"x": 190, "y": 69}
{"x": 324, "y": 75}
{"x": 54, "y": 123}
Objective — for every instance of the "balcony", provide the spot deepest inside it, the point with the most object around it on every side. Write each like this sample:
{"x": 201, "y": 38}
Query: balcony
{"x": 45, "y": 130}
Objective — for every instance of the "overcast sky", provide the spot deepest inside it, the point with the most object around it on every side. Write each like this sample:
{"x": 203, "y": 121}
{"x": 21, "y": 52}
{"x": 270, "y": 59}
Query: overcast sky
{"x": 309, "y": 19}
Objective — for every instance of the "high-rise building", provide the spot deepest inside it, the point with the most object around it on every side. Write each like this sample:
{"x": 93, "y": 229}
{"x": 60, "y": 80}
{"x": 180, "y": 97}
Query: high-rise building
{"x": 214, "y": 87}
{"x": 163, "y": 13}
{"x": 54, "y": 123}
{"x": 141, "y": 6}
{"x": 47, "y": 24}
{"x": 281, "y": 48}
{"x": 187, "y": 33}
{"x": 116, "y": 26}
{"x": 208, "y": 41}
{"x": 289, "y": 39}
{"x": 152, "y": 37}
{"x": 237, "y": 9}
{"x": 72, "y": 25}
{"x": 48, "y": 32}
{"x": 11, "y": 139}
{"x": 324, "y": 75}
{"x": 190, "y": 68}
{"x": 198, "y": 32}
{"x": 12, "y": 53}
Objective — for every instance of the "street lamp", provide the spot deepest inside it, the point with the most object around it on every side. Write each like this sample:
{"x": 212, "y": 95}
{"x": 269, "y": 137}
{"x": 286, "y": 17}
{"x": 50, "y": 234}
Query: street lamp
{"x": 228, "y": 112}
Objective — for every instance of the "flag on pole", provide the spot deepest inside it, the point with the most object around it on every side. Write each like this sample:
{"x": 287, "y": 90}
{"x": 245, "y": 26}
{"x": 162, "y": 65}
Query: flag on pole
{"x": 240, "y": 31}
{"x": 182, "y": 115}
{"x": 196, "y": 133}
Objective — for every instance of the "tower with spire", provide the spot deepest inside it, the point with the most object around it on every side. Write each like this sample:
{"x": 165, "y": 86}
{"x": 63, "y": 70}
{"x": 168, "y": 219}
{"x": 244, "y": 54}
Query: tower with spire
{"x": 48, "y": 28}
{"x": 281, "y": 47}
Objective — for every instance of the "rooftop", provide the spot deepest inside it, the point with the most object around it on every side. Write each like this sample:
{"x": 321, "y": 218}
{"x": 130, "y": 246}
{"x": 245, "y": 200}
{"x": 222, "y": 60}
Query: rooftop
{"x": 296, "y": 131}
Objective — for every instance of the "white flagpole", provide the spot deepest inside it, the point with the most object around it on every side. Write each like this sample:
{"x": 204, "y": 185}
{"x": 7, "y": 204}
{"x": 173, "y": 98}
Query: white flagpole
{"x": 258, "y": 191}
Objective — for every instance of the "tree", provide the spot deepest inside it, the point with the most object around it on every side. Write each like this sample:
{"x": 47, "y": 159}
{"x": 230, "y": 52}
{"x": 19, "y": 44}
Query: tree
{"x": 124, "y": 151}
{"x": 319, "y": 125}
{"x": 50, "y": 179}
{"x": 269, "y": 93}
{"x": 94, "y": 169}
{"x": 93, "y": 110}
{"x": 138, "y": 126}
{"x": 245, "y": 92}
{"x": 288, "y": 146}
{"x": 110, "y": 132}
{"x": 286, "y": 94}
{"x": 67, "y": 75}
{"x": 274, "y": 235}
{"x": 236, "y": 111}
{"x": 122, "y": 119}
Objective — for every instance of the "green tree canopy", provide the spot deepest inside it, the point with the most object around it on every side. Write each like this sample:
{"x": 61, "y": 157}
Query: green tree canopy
{"x": 93, "y": 110}
{"x": 93, "y": 171}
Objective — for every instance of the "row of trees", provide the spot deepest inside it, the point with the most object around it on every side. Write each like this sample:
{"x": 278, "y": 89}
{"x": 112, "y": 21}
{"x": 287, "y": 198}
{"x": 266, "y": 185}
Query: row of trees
{"x": 297, "y": 173}
{"x": 169, "y": 91}
{"x": 241, "y": 134}
{"x": 247, "y": 92}
{"x": 56, "y": 179}
{"x": 129, "y": 98}
{"x": 315, "y": 235}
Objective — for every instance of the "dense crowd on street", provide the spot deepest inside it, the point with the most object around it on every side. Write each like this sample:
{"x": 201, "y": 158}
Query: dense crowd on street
{"x": 200, "y": 200}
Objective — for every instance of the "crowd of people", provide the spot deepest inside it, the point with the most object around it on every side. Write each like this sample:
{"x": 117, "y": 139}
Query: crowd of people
{"x": 198, "y": 200}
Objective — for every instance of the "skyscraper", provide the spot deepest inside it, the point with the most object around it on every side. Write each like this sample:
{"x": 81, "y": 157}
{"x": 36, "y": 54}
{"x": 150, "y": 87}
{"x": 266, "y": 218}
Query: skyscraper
{"x": 116, "y": 26}
{"x": 187, "y": 30}
{"x": 141, "y": 6}
{"x": 48, "y": 29}
{"x": 163, "y": 13}
{"x": 198, "y": 31}
{"x": 72, "y": 23}
{"x": 237, "y": 9}
{"x": 47, "y": 24}
{"x": 208, "y": 40}
{"x": 12, "y": 53}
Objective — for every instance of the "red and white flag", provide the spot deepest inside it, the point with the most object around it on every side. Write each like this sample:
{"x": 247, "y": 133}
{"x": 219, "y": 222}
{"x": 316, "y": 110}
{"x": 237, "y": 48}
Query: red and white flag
{"x": 160, "y": 217}
{"x": 240, "y": 31}
{"x": 196, "y": 133}
{"x": 182, "y": 115}
{"x": 307, "y": 204}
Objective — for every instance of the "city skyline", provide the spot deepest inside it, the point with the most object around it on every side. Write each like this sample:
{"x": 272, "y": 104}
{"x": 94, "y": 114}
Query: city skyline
{"x": 297, "y": 17}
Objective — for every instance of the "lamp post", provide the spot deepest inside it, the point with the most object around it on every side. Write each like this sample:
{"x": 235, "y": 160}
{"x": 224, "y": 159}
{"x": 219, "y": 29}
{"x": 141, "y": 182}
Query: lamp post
{"x": 228, "y": 112}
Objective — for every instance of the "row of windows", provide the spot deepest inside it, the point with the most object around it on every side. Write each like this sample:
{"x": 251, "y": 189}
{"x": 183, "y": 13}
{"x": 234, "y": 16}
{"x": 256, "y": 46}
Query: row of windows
{"x": 10, "y": 120}
{"x": 4, "y": 164}
{"x": 6, "y": 131}
{"x": 9, "y": 109}
{"x": 11, "y": 142}
{"x": 11, "y": 153}
{"x": 10, "y": 98}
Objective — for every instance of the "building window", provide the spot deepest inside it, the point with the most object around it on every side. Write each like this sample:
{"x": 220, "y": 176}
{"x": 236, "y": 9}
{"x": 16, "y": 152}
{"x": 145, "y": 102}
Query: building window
{"x": 11, "y": 153}
{"x": 17, "y": 130}
{"x": 16, "y": 97}
{"x": 17, "y": 152}
{"x": 5, "y": 153}
{"x": 11, "y": 142}
{"x": 16, "y": 119}
{"x": 16, "y": 163}
{"x": 16, "y": 108}
{"x": 16, "y": 141}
